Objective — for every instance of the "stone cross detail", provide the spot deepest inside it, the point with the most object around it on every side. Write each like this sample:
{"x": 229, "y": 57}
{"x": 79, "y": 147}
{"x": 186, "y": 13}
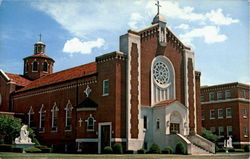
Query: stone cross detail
{"x": 80, "y": 122}
{"x": 87, "y": 91}
{"x": 158, "y": 7}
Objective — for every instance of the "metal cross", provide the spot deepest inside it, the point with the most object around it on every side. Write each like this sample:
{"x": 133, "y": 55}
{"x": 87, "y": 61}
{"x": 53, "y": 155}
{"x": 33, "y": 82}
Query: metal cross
{"x": 158, "y": 7}
{"x": 40, "y": 37}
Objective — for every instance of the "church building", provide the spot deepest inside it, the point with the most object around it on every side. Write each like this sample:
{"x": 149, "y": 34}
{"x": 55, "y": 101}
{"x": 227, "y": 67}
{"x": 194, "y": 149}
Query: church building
{"x": 147, "y": 92}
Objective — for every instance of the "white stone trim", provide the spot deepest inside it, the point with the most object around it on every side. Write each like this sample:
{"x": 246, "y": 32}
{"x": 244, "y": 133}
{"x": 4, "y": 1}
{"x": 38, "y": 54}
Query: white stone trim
{"x": 53, "y": 111}
{"x": 29, "y": 114}
{"x": 87, "y": 140}
{"x": 100, "y": 134}
{"x": 4, "y": 75}
{"x": 87, "y": 121}
{"x": 103, "y": 84}
{"x": 118, "y": 140}
{"x": 42, "y": 110}
{"x": 68, "y": 108}
{"x": 86, "y": 109}
{"x": 227, "y": 100}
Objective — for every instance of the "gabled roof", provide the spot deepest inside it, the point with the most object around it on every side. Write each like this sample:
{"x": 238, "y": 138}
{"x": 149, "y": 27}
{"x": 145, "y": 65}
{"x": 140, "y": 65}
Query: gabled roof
{"x": 65, "y": 75}
{"x": 164, "y": 103}
{"x": 18, "y": 79}
{"x": 88, "y": 103}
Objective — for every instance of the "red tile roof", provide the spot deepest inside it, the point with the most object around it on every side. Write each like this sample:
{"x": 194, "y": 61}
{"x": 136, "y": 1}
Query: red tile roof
{"x": 65, "y": 75}
{"x": 18, "y": 79}
{"x": 39, "y": 55}
{"x": 165, "y": 102}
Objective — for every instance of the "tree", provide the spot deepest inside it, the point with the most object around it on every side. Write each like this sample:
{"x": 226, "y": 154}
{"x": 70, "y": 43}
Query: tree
{"x": 209, "y": 135}
{"x": 9, "y": 127}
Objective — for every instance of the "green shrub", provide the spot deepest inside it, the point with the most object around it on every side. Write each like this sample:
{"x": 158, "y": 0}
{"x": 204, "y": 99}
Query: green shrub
{"x": 231, "y": 150}
{"x": 17, "y": 149}
{"x": 34, "y": 140}
{"x": 173, "y": 132}
{"x": 239, "y": 150}
{"x": 180, "y": 149}
{"x": 209, "y": 135}
{"x": 167, "y": 150}
{"x": 46, "y": 150}
{"x": 141, "y": 151}
{"x": 246, "y": 148}
{"x": 5, "y": 148}
{"x": 32, "y": 150}
{"x": 1, "y": 141}
{"x": 192, "y": 133}
{"x": 154, "y": 148}
{"x": 129, "y": 152}
{"x": 41, "y": 146}
{"x": 107, "y": 150}
{"x": 117, "y": 149}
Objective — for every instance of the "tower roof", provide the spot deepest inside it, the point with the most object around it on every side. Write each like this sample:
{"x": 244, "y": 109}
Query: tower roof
{"x": 158, "y": 18}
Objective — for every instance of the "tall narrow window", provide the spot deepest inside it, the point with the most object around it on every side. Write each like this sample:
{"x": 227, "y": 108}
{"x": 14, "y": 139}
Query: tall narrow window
{"x": 227, "y": 94}
{"x": 105, "y": 89}
{"x": 229, "y": 130}
{"x": 54, "y": 121}
{"x": 202, "y": 98}
{"x": 243, "y": 93}
{"x": 219, "y": 95}
{"x": 203, "y": 115}
{"x": 212, "y": 114}
{"x": 211, "y": 96}
{"x": 158, "y": 124}
{"x": 34, "y": 66}
{"x": 245, "y": 131}
{"x": 42, "y": 119}
{"x": 45, "y": 67}
{"x": 244, "y": 113}
{"x": 68, "y": 116}
{"x": 90, "y": 123}
{"x": 145, "y": 122}
{"x": 31, "y": 117}
{"x": 220, "y": 113}
{"x": 229, "y": 113}
{"x": 221, "y": 131}
{"x": 26, "y": 67}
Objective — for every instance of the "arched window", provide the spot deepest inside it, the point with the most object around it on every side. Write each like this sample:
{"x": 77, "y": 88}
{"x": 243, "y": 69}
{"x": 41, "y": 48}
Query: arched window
{"x": 158, "y": 124}
{"x": 42, "y": 118}
{"x": 90, "y": 123}
{"x": 54, "y": 121}
{"x": 45, "y": 67}
{"x": 31, "y": 117}
{"x": 26, "y": 67}
{"x": 68, "y": 115}
{"x": 35, "y": 66}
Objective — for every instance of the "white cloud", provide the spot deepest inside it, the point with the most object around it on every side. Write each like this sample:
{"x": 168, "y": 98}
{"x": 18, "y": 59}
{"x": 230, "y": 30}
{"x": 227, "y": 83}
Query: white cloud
{"x": 209, "y": 33}
{"x": 84, "y": 47}
{"x": 218, "y": 18}
{"x": 182, "y": 26}
{"x": 135, "y": 19}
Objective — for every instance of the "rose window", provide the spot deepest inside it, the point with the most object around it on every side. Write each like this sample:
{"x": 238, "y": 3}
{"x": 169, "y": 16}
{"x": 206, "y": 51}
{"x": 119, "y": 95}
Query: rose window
{"x": 161, "y": 73}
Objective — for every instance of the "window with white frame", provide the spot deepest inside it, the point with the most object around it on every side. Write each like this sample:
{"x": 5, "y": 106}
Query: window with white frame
{"x": 45, "y": 67}
{"x": 203, "y": 115}
{"x": 245, "y": 131}
{"x": 202, "y": 98}
{"x": 244, "y": 113}
{"x": 31, "y": 117}
{"x": 90, "y": 123}
{"x": 145, "y": 122}
{"x": 158, "y": 124}
{"x": 219, "y": 95}
{"x": 68, "y": 115}
{"x": 220, "y": 113}
{"x": 227, "y": 94}
{"x": 105, "y": 89}
{"x": 243, "y": 93}
{"x": 229, "y": 130}
{"x": 34, "y": 66}
{"x": 229, "y": 113}
{"x": 211, "y": 96}
{"x": 212, "y": 114}
{"x": 42, "y": 118}
{"x": 221, "y": 131}
{"x": 212, "y": 129}
{"x": 54, "y": 121}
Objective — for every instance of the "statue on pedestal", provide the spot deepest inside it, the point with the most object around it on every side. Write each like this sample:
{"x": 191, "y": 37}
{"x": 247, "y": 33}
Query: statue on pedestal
{"x": 24, "y": 136}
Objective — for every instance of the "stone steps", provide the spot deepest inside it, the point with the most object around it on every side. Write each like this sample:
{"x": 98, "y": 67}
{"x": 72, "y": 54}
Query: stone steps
{"x": 197, "y": 150}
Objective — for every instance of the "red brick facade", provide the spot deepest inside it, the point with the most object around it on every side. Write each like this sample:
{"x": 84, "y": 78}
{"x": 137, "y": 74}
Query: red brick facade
{"x": 237, "y": 102}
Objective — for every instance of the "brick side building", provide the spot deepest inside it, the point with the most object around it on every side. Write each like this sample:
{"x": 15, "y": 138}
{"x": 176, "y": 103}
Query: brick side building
{"x": 135, "y": 96}
{"x": 225, "y": 111}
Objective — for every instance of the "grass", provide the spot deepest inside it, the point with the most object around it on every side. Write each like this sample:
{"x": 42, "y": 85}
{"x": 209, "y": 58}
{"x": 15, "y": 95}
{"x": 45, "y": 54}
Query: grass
{"x": 8, "y": 155}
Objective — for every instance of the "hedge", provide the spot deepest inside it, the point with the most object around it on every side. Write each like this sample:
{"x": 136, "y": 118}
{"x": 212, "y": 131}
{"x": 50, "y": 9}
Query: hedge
{"x": 117, "y": 149}
{"x": 107, "y": 150}
{"x": 32, "y": 150}
{"x": 167, "y": 150}
{"x": 180, "y": 149}
{"x": 5, "y": 148}
{"x": 247, "y": 148}
{"x": 154, "y": 148}
{"x": 141, "y": 151}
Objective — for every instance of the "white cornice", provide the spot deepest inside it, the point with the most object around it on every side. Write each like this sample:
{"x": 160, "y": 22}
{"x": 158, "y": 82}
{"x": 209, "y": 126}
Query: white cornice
{"x": 227, "y": 100}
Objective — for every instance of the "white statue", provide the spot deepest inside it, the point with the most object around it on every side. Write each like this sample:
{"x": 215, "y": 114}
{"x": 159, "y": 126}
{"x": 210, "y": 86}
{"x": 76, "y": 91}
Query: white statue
{"x": 229, "y": 142}
{"x": 24, "y": 136}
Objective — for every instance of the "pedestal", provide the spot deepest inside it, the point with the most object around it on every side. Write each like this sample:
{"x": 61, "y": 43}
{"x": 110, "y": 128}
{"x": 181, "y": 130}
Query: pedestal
{"x": 24, "y": 146}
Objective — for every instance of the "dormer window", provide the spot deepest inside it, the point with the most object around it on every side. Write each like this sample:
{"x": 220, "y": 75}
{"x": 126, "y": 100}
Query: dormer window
{"x": 45, "y": 67}
{"x": 35, "y": 66}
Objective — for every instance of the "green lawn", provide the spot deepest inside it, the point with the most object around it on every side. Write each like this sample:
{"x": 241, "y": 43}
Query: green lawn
{"x": 7, "y": 155}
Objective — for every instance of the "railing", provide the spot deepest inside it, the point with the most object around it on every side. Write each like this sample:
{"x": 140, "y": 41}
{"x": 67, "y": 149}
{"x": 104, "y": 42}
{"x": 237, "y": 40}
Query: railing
{"x": 202, "y": 142}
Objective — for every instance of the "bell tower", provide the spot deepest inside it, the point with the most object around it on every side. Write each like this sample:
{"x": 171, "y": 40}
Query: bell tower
{"x": 38, "y": 64}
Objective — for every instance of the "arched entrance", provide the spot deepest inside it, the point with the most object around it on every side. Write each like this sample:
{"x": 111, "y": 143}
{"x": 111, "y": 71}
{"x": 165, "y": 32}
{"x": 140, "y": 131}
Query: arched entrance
{"x": 175, "y": 122}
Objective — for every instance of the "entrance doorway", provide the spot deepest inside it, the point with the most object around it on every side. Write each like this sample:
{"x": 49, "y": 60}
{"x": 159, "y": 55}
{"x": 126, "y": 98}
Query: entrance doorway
{"x": 175, "y": 127}
{"x": 105, "y": 136}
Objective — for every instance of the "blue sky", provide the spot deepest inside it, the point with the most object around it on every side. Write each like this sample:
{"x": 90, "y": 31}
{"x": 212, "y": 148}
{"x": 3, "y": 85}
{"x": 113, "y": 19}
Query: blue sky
{"x": 76, "y": 31}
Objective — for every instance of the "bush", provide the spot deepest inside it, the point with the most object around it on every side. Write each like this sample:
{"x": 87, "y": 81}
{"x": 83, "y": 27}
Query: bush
{"x": 209, "y": 135}
{"x": 192, "y": 133}
{"x": 107, "y": 150}
{"x": 239, "y": 150}
{"x": 17, "y": 149}
{"x": 246, "y": 148}
{"x": 167, "y": 150}
{"x": 5, "y": 148}
{"x": 117, "y": 149}
{"x": 1, "y": 141}
{"x": 46, "y": 150}
{"x": 173, "y": 132}
{"x": 34, "y": 140}
{"x": 154, "y": 149}
{"x": 141, "y": 151}
{"x": 32, "y": 150}
{"x": 180, "y": 149}
{"x": 231, "y": 150}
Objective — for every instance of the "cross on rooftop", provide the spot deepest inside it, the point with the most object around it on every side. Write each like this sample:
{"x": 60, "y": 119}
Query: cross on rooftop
{"x": 158, "y": 7}
{"x": 40, "y": 37}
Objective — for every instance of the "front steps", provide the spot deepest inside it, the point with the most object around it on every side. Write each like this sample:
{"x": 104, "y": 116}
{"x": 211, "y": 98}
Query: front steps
{"x": 195, "y": 150}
